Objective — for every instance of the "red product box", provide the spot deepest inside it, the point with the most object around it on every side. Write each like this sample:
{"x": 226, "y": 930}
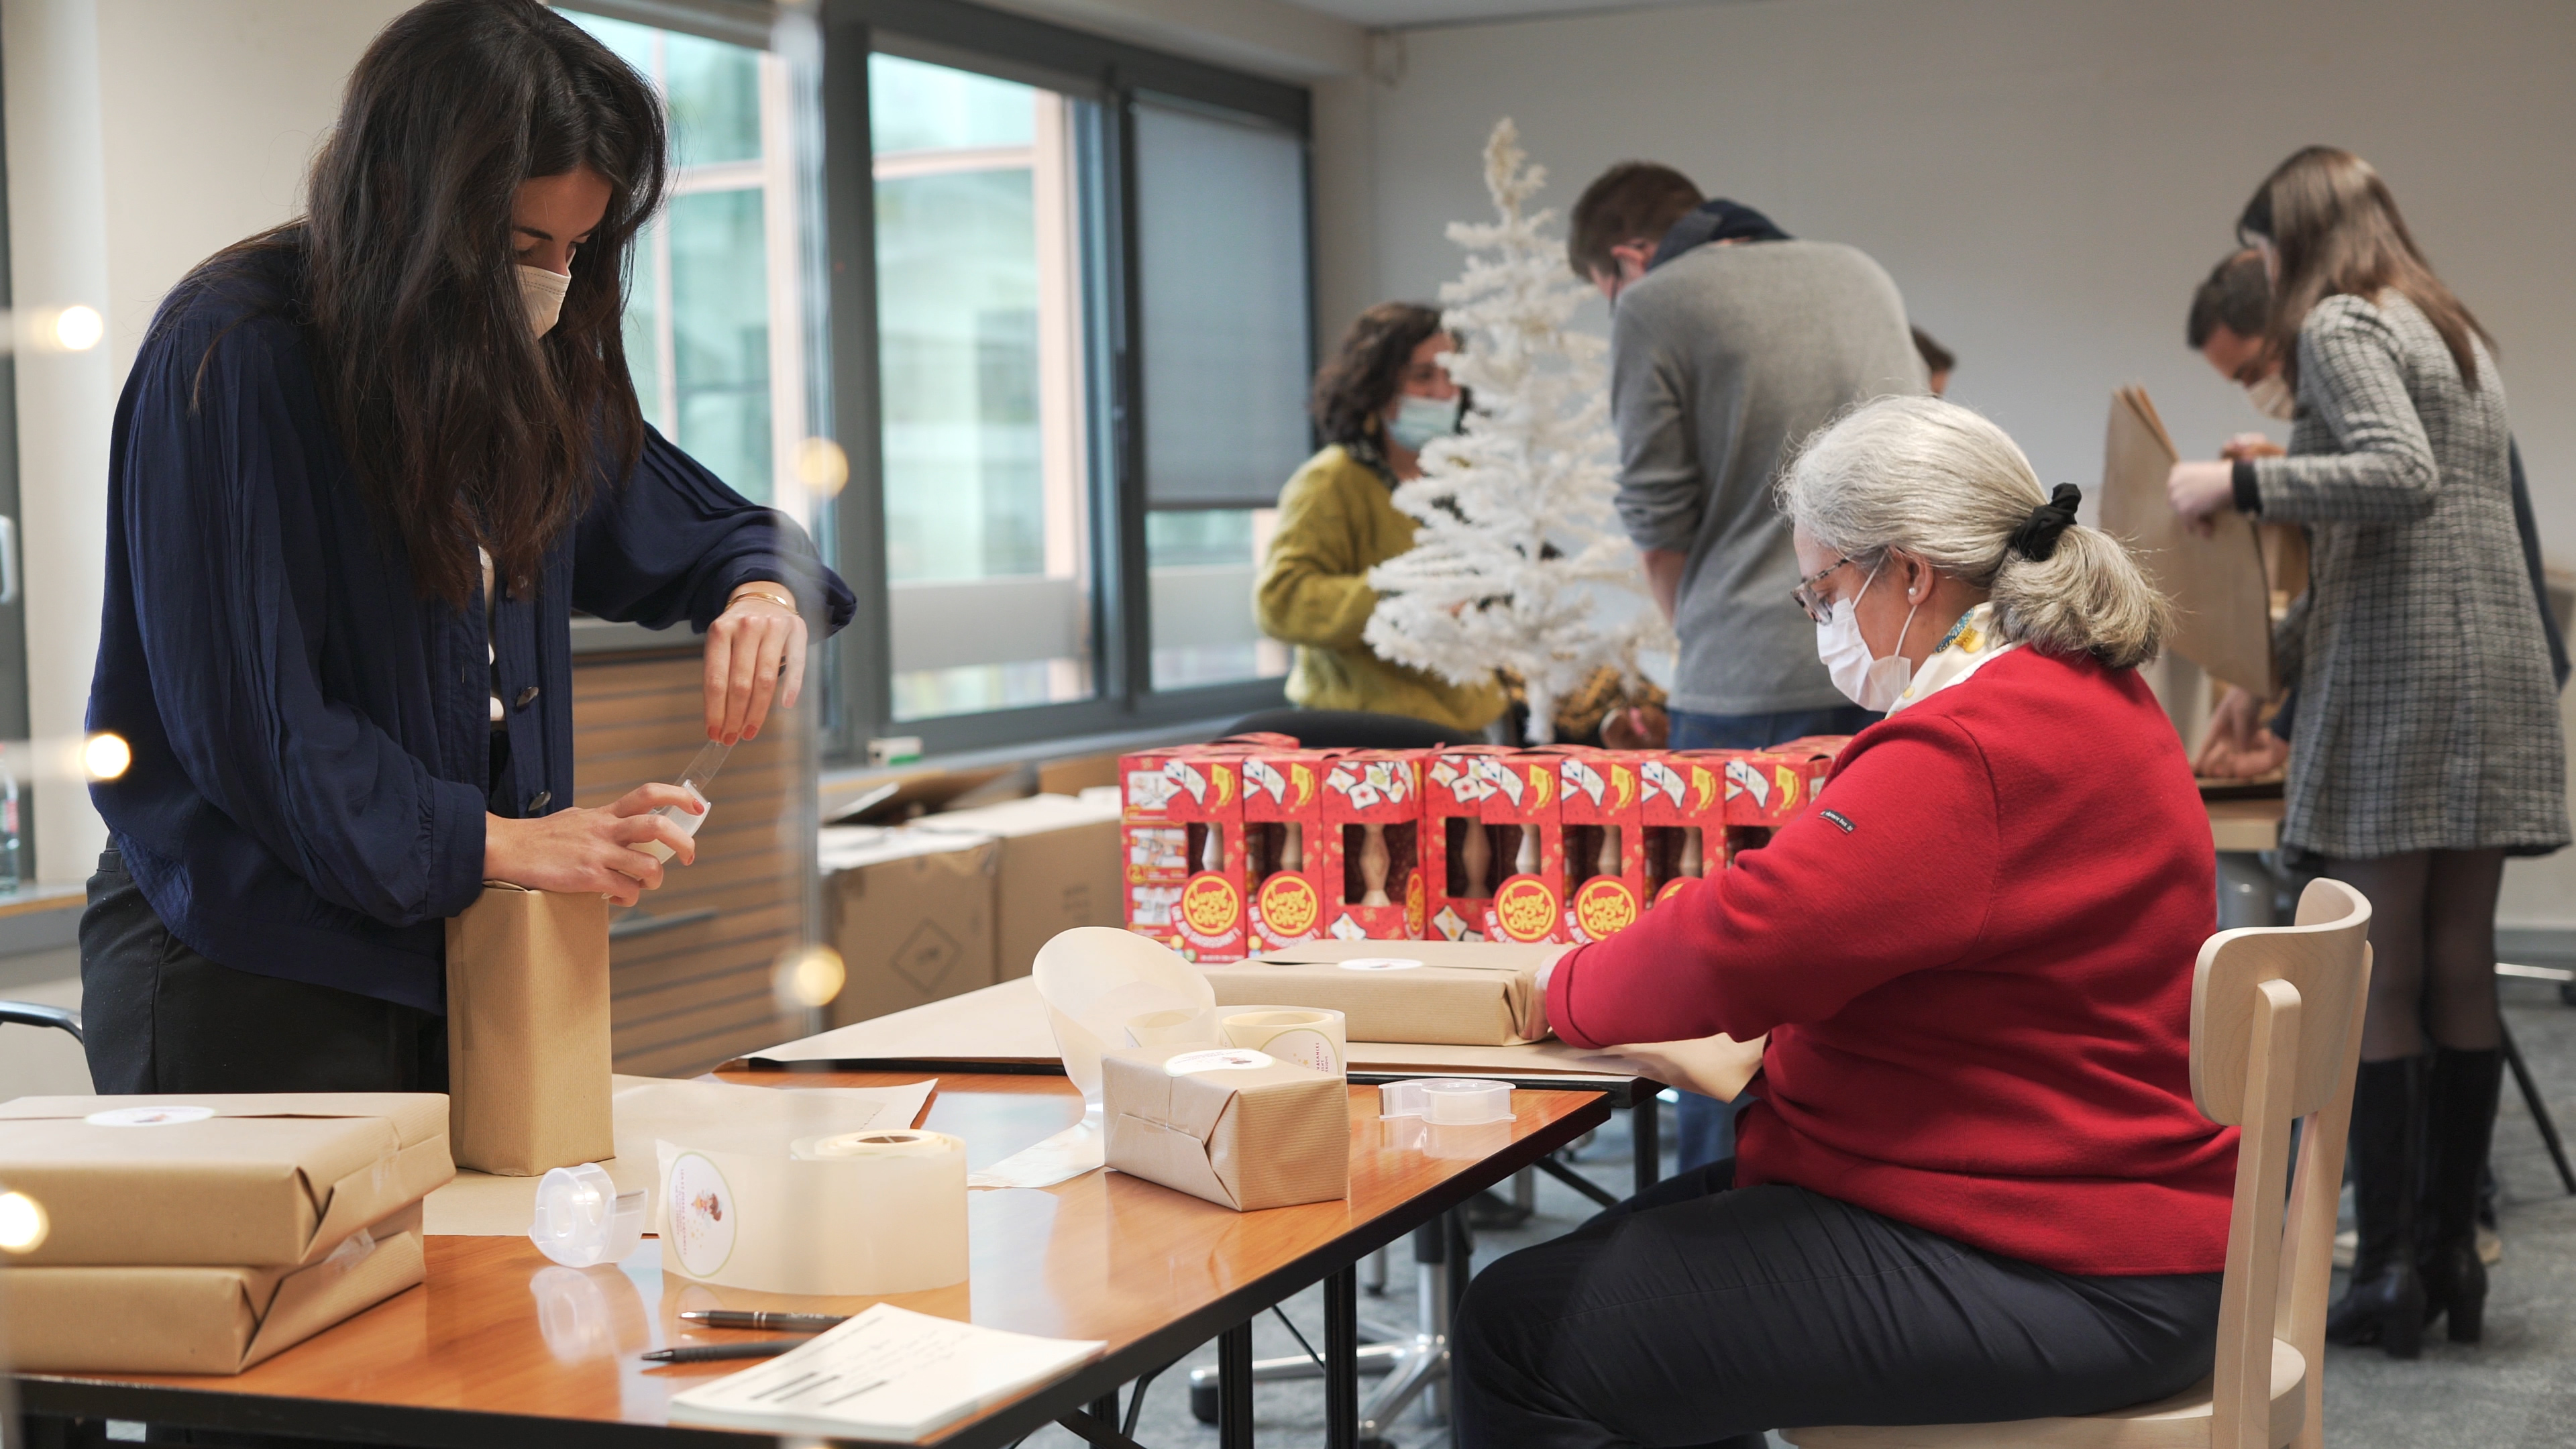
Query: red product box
{"x": 1288, "y": 852}
{"x": 1181, "y": 836}
{"x": 1601, "y": 813}
{"x": 1766, "y": 789}
{"x": 1529, "y": 849}
{"x": 1373, "y": 882}
{"x": 1682, "y": 816}
{"x": 1458, "y": 851}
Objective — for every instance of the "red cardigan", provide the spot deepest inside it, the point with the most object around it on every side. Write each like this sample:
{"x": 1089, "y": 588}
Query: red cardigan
{"x": 1974, "y": 957}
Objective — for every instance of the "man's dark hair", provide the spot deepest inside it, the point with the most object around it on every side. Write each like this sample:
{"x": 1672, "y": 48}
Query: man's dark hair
{"x": 2235, "y": 295}
{"x": 1632, "y": 201}
{"x": 1936, "y": 358}
{"x": 1353, "y": 388}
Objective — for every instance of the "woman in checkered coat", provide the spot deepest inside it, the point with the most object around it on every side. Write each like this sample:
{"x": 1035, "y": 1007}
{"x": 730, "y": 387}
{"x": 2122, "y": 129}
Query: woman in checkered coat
{"x": 2427, "y": 745}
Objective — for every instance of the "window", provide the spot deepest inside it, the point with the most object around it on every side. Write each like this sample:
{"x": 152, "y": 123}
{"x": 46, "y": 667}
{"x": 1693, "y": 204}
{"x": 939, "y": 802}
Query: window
{"x": 710, "y": 335}
{"x": 1087, "y": 347}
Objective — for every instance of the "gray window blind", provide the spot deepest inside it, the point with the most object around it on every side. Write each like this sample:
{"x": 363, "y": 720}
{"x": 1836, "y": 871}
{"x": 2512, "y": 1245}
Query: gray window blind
{"x": 1221, "y": 254}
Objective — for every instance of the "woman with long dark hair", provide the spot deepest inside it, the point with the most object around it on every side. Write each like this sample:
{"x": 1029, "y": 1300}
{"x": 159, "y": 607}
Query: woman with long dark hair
{"x": 364, "y": 468}
{"x": 1378, "y": 403}
{"x": 2426, "y": 748}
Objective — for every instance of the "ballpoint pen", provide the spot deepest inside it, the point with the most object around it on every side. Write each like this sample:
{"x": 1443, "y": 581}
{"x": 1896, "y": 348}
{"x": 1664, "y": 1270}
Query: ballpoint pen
{"x": 710, "y": 1352}
{"x": 748, "y": 1318}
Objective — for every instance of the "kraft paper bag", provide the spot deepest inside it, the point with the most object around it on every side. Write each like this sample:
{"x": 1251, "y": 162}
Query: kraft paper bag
{"x": 198, "y": 1320}
{"x": 1239, "y": 1128}
{"x": 225, "y": 1180}
{"x": 1443, "y": 993}
{"x": 527, "y": 1031}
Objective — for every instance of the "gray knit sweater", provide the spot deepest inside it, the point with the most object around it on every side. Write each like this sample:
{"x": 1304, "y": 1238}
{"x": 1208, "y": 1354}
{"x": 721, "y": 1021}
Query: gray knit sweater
{"x": 1721, "y": 361}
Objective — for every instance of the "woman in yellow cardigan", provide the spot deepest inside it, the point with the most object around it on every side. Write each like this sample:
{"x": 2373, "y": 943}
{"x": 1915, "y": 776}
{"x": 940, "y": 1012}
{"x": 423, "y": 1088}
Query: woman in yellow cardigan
{"x": 1378, "y": 402}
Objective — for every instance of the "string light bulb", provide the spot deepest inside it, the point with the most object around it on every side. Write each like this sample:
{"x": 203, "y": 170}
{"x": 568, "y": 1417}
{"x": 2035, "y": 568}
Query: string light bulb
{"x": 809, "y": 977}
{"x": 23, "y": 1225}
{"x": 78, "y": 328}
{"x": 106, "y": 756}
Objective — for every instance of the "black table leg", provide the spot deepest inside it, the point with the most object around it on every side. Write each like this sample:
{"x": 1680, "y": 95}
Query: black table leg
{"x": 1643, "y": 1124}
{"x": 1234, "y": 1387}
{"x": 2539, "y": 1111}
{"x": 1342, "y": 1359}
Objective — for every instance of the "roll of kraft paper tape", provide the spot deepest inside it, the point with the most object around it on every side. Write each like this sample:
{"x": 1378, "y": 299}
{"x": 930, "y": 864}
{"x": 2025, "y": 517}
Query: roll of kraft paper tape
{"x": 1309, "y": 1036}
{"x": 857, "y": 1217}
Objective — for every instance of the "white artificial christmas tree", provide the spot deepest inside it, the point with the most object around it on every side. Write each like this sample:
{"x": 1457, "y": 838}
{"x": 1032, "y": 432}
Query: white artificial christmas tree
{"x": 1520, "y": 561}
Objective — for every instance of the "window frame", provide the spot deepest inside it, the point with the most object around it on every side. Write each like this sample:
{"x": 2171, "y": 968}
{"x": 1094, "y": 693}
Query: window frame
{"x": 858, "y": 681}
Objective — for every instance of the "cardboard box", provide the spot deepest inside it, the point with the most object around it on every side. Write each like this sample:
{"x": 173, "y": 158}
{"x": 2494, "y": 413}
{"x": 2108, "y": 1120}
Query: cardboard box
{"x": 1601, "y": 810}
{"x": 1181, "y": 849}
{"x": 527, "y": 1031}
{"x": 1287, "y": 852}
{"x": 1372, "y": 878}
{"x": 912, "y": 913}
{"x": 1458, "y": 849}
{"x": 1060, "y": 869}
{"x": 1449, "y": 993}
{"x": 1682, "y": 814}
{"x": 1241, "y": 1129}
{"x": 198, "y": 1320}
{"x": 1528, "y": 907}
{"x": 273, "y": 1180}
{"x": 1772, "y": 787}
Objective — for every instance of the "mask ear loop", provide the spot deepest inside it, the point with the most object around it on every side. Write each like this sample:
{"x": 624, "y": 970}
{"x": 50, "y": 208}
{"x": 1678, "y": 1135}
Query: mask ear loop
{"x": 1902, "y": 629}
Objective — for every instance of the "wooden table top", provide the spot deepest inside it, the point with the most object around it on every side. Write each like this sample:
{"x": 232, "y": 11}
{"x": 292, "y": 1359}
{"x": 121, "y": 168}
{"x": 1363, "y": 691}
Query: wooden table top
{"x": 502, "y": 1347}
{"x": 2248, "y": 825}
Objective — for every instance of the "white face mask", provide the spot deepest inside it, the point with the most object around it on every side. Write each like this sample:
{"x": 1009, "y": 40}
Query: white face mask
{"x": 2272, "y": 398}
{"x": 542, "y": 293}
{"x": 1871, "y": 683}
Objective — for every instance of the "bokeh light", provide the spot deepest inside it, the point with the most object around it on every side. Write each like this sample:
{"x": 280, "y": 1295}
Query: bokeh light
{"x": 78, "y": 328}
{"x": 822, "y": 467}
{"x": 23, "y": 1225}
{"x": 106, "y": 756}
{"x": 808, "y": 977}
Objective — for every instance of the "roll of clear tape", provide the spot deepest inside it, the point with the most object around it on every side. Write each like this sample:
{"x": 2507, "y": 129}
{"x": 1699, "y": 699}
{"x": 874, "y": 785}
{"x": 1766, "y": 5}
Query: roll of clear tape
{"x": 1447, "y": 1101}
{"x": 856, "y": 1217}
{"x": 582, "y": 1220}
{"x": 1311, "y": 1037}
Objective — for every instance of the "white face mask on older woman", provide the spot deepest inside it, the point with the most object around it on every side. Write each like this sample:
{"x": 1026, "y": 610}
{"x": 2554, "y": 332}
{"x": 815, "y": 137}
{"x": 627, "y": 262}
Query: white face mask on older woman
{"x": 1871, "y": 683}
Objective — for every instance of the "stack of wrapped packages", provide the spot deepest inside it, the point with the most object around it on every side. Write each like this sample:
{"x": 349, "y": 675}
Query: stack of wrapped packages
{"x": 201, "y": 1234}
{"x": 1252, "y": 846}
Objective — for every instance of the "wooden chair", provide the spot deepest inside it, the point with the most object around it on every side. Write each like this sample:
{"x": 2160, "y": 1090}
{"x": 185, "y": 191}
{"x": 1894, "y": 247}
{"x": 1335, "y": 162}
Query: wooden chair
{"x": 2275, "y": 1035}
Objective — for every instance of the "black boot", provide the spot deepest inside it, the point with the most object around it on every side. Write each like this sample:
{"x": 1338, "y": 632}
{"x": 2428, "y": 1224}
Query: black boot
{"x": 2459, "y": 1120}
{"x": 2385, "y": 1302}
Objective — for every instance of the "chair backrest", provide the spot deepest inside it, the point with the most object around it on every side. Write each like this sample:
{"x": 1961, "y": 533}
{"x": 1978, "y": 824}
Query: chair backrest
{"x": 2276, "y": 1036}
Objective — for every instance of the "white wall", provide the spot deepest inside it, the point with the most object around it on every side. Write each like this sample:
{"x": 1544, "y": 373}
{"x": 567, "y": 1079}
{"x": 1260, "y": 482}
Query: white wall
{"x": 2048, "y": 179}
{"x": 144, "y": 135}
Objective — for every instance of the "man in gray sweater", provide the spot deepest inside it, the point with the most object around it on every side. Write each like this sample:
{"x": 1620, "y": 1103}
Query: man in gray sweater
{"x": 1729, "y": 344}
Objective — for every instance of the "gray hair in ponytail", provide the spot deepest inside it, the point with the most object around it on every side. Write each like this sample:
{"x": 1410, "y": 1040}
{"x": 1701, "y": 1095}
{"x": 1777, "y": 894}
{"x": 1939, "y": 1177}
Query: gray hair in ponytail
{"x": 1937, "y": 480}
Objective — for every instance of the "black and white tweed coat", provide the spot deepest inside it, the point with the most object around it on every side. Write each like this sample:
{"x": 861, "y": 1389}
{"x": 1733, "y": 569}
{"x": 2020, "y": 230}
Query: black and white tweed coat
{"x": 2427, "y": 716}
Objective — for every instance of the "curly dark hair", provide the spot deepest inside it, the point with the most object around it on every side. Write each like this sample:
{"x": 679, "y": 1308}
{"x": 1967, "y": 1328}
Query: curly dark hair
{"x": 1353, "y": 389}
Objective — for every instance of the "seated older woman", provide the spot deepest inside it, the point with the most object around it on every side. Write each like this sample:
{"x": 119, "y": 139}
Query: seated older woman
{"x": 1975, "y": 1186}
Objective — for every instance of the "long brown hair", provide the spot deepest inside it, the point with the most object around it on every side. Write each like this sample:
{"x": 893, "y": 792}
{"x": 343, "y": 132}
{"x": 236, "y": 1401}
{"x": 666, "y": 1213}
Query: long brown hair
{"x": 2337, "y": 232}
{"x": 461, "y": 426}
{"x": 1353, "y": 389}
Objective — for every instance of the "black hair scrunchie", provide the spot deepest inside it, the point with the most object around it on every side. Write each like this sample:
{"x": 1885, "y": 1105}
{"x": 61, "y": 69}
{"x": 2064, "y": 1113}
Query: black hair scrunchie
{"x": 2036, "y": 538}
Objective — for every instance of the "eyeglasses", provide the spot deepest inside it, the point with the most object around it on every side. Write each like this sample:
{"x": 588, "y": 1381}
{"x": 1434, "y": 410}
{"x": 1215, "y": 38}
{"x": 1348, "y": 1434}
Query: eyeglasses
{"x": 1819, "y": 609}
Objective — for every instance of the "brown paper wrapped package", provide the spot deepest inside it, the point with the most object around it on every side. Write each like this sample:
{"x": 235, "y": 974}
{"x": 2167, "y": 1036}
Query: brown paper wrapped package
{"x": 198, "y": 1320}
{"x": 1246, "y": 1139}
{"x": 274, "y": 1181}
{"x": 1465, "y": 993}
{"x": 527, "y": 1031}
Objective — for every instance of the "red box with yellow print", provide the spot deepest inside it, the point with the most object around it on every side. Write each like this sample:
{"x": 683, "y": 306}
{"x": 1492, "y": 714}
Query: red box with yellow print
{"x": 1285, "y": 846}
{"x": 1458, "y": 849}
{"x": 1682, "y": 817}
{"x": 1181, "y": 833}
{"x": 1601, "y": 815}
{"x": 1768, "y": 788}
{"x": 1373, "y": 881}
{"x": 1529, "y": 849}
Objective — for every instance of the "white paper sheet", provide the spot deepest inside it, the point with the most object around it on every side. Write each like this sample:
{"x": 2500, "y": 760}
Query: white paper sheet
{"x": 1078, "y": 1149}
{"x": 888, "y": 1373}
{"x": 481, "y": 1205}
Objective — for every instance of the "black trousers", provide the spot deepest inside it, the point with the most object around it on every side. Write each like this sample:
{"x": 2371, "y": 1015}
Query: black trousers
{"x": 1694, "y": 1314}
{"x": 158, "y": 1017}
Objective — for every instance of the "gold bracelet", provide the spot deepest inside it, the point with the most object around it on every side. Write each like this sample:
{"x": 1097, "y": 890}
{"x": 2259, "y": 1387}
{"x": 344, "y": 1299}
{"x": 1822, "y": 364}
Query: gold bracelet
{"x": 783, "y": 601}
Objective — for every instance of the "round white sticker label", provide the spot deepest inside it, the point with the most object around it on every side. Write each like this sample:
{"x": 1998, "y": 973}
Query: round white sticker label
{"x": 1380, "y": 963}
{"x": 148, "y": 1116}
{"x": 1220, "y": 1059}
{"x": 700, "y": 1215}
{"x": 1310, "y": 1049}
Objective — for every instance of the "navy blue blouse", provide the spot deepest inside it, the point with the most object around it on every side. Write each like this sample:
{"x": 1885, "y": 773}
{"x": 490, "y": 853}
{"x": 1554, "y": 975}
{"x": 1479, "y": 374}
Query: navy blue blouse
{"x": 312, "y": 739}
